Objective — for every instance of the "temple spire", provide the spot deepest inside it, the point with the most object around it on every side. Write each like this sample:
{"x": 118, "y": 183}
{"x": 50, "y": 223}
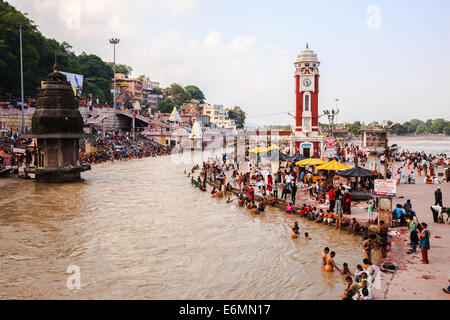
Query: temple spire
{"x": 307, "y": 45}
{"x": 55, "y": 66}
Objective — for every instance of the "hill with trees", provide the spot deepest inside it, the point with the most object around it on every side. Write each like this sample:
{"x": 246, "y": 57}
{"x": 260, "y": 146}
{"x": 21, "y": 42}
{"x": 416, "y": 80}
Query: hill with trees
{"x": 39, "y": 57}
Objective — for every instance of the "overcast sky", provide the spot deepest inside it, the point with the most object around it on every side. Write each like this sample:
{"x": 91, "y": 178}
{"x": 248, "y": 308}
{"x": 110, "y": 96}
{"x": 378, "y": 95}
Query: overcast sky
{"x": 384, "y": 60}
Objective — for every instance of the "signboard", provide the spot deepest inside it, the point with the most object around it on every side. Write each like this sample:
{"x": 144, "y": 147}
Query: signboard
{"x": 385, "y": 188}
{"x": 330, "y": 153}
{"x": 76, "y": 81}
{"x": 18, "y": 150}
{"x": 88, "y": 148}
{"x": 329, "y": 142}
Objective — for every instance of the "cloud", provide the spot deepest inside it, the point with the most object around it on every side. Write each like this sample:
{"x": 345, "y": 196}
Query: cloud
{"x": 230, "y": 72}
{"x": 177, "y": 7}
{"x": 231, "y": 69}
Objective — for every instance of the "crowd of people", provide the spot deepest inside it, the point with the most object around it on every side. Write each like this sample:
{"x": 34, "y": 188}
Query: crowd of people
{"x": 119, "y": 145}
{"x": 424, "y": 164}
{"x": 15, "y": 149}
{"x": 105, "y": 146}
{"x": 329, "y": 199}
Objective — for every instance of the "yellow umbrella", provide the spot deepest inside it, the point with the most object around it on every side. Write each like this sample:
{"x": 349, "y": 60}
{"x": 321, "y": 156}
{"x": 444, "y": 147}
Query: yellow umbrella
{"x": 333, "y": 166}
{"x": 258, "y": 150}
{"x": 274, "y": 147}
{"x": 310, "y": 162}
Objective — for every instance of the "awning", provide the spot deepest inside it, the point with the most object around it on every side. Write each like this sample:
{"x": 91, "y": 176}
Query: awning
{"x": 310, "y": 162}
{"x": 357, "y": 172}
{"x": 258, "y": 150}
{"x": 333, "y": 165}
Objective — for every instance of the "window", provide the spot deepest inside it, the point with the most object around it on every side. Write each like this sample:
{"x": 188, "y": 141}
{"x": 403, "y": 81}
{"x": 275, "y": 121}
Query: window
{"x": 306, "y": 102}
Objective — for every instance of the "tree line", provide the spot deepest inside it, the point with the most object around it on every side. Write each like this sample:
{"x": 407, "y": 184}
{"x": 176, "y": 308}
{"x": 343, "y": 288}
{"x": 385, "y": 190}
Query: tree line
{"x": 414, "y": 126}
{"x": 39, "y": 54}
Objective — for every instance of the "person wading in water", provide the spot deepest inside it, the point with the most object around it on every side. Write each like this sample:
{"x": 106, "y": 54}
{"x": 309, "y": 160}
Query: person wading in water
{"x": 330, "y": 263}
{"x": 325, "y": 255}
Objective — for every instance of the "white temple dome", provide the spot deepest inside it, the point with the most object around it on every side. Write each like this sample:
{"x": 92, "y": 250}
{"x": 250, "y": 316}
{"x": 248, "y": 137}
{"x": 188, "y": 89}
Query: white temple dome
{"x": 137, "y": 106}
{"x": 307, "y": 55}
{"x": 196, "y": 131}
{"x": 175, "y": 116}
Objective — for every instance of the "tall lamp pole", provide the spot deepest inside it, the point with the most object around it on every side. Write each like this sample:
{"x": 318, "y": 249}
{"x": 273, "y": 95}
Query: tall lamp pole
{"x": 114, "y": 41}
{"x": 331, "y": 114}
{"x": 21, "y": 79}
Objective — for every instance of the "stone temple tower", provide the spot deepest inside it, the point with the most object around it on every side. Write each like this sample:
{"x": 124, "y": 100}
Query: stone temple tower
{"x": 57, "y": 124}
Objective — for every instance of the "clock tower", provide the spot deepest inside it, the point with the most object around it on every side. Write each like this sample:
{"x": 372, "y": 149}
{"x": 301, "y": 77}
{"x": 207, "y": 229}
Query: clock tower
{"x": 307, "y": 139}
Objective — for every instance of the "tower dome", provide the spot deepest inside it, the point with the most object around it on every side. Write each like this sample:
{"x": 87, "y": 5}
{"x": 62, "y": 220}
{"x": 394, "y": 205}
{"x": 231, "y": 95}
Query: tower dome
{"x": 307, "y": 55}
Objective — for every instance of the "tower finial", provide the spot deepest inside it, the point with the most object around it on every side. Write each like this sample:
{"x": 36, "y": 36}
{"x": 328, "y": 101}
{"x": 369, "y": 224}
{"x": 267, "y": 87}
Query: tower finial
{"x": 307, "y": 45}
{"x": 55, "y": 66}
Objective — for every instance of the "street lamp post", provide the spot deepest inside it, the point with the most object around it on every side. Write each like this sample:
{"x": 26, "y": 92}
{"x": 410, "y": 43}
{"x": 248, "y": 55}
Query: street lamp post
{"x": 331, "y": 114}
{"x": 114, "y": 41}
{"x": 21, "y": 79}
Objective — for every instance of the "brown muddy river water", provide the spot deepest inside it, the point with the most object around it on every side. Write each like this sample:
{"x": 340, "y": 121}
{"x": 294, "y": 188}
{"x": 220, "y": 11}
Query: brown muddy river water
{"x": 138, "y": 230}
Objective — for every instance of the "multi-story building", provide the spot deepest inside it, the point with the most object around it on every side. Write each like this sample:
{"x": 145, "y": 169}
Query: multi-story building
{"x": 218, "y": 115}
{"x": 149, "y": 96}
{"x": 129, "y": 90}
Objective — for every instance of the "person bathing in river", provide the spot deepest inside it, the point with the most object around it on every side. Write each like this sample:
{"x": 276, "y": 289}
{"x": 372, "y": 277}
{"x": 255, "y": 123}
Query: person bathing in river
{"x": 271, "y": 201}
{"x": 330, "y": 263}
{"x": 346, "y": 270}
{"x": 367, "y": 246}
{"x": 325, "y": 255}
{"x": 261, "y": 206}
{"x": 290, "y": 208}
{"x": 339, "y": 221}
{"x": 213, "y": 192}
{"x": 354, "y": 226}
{"x": 254, "y": 209}
{"x": 307, "y": 236}
{"x": 295, "y": 233}
{"x": 296, "y": 227}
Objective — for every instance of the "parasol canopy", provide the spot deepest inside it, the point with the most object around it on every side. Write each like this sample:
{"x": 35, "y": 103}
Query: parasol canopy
{"x": 333, "y": 165}
{"x": 273, "y": 147}
{"x": 310, "y": 162}
{"x": 357, "y": 172}
{"x": 258, "y": 150}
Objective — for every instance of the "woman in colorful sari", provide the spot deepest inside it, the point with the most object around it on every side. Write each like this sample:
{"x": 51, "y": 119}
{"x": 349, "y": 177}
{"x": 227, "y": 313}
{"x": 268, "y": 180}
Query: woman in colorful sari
{"x": 424, "y": 242}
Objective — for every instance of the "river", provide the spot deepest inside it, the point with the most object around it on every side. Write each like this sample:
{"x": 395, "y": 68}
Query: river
{"x": 138, "y": 230}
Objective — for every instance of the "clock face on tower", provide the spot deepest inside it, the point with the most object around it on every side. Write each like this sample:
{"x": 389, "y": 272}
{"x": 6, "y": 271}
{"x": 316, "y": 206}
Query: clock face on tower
{"x": 307, "y": 82}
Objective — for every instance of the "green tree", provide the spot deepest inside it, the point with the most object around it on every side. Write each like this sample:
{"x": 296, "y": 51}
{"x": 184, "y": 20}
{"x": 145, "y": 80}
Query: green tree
{"x": 39, "y": 56}
{"x": 447, "y": 128}
{"x": 156, "y": 91}
{"x": 166, "y": 105}
{"x": 398, "y": 129}
{"x": 437, "y": 126}
{"x": 238, "y": 115}
{"x": 178, "y": 94}
{"x": 194, "y": 93}
{"x": 121, "y": 68}
{"x": 421, "y": 128}
{"x": 354, "y": 128}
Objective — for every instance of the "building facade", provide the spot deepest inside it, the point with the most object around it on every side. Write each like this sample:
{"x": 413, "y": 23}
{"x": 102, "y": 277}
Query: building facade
{"x": 129, "y": 90}
{"x": 218, "y": 116}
